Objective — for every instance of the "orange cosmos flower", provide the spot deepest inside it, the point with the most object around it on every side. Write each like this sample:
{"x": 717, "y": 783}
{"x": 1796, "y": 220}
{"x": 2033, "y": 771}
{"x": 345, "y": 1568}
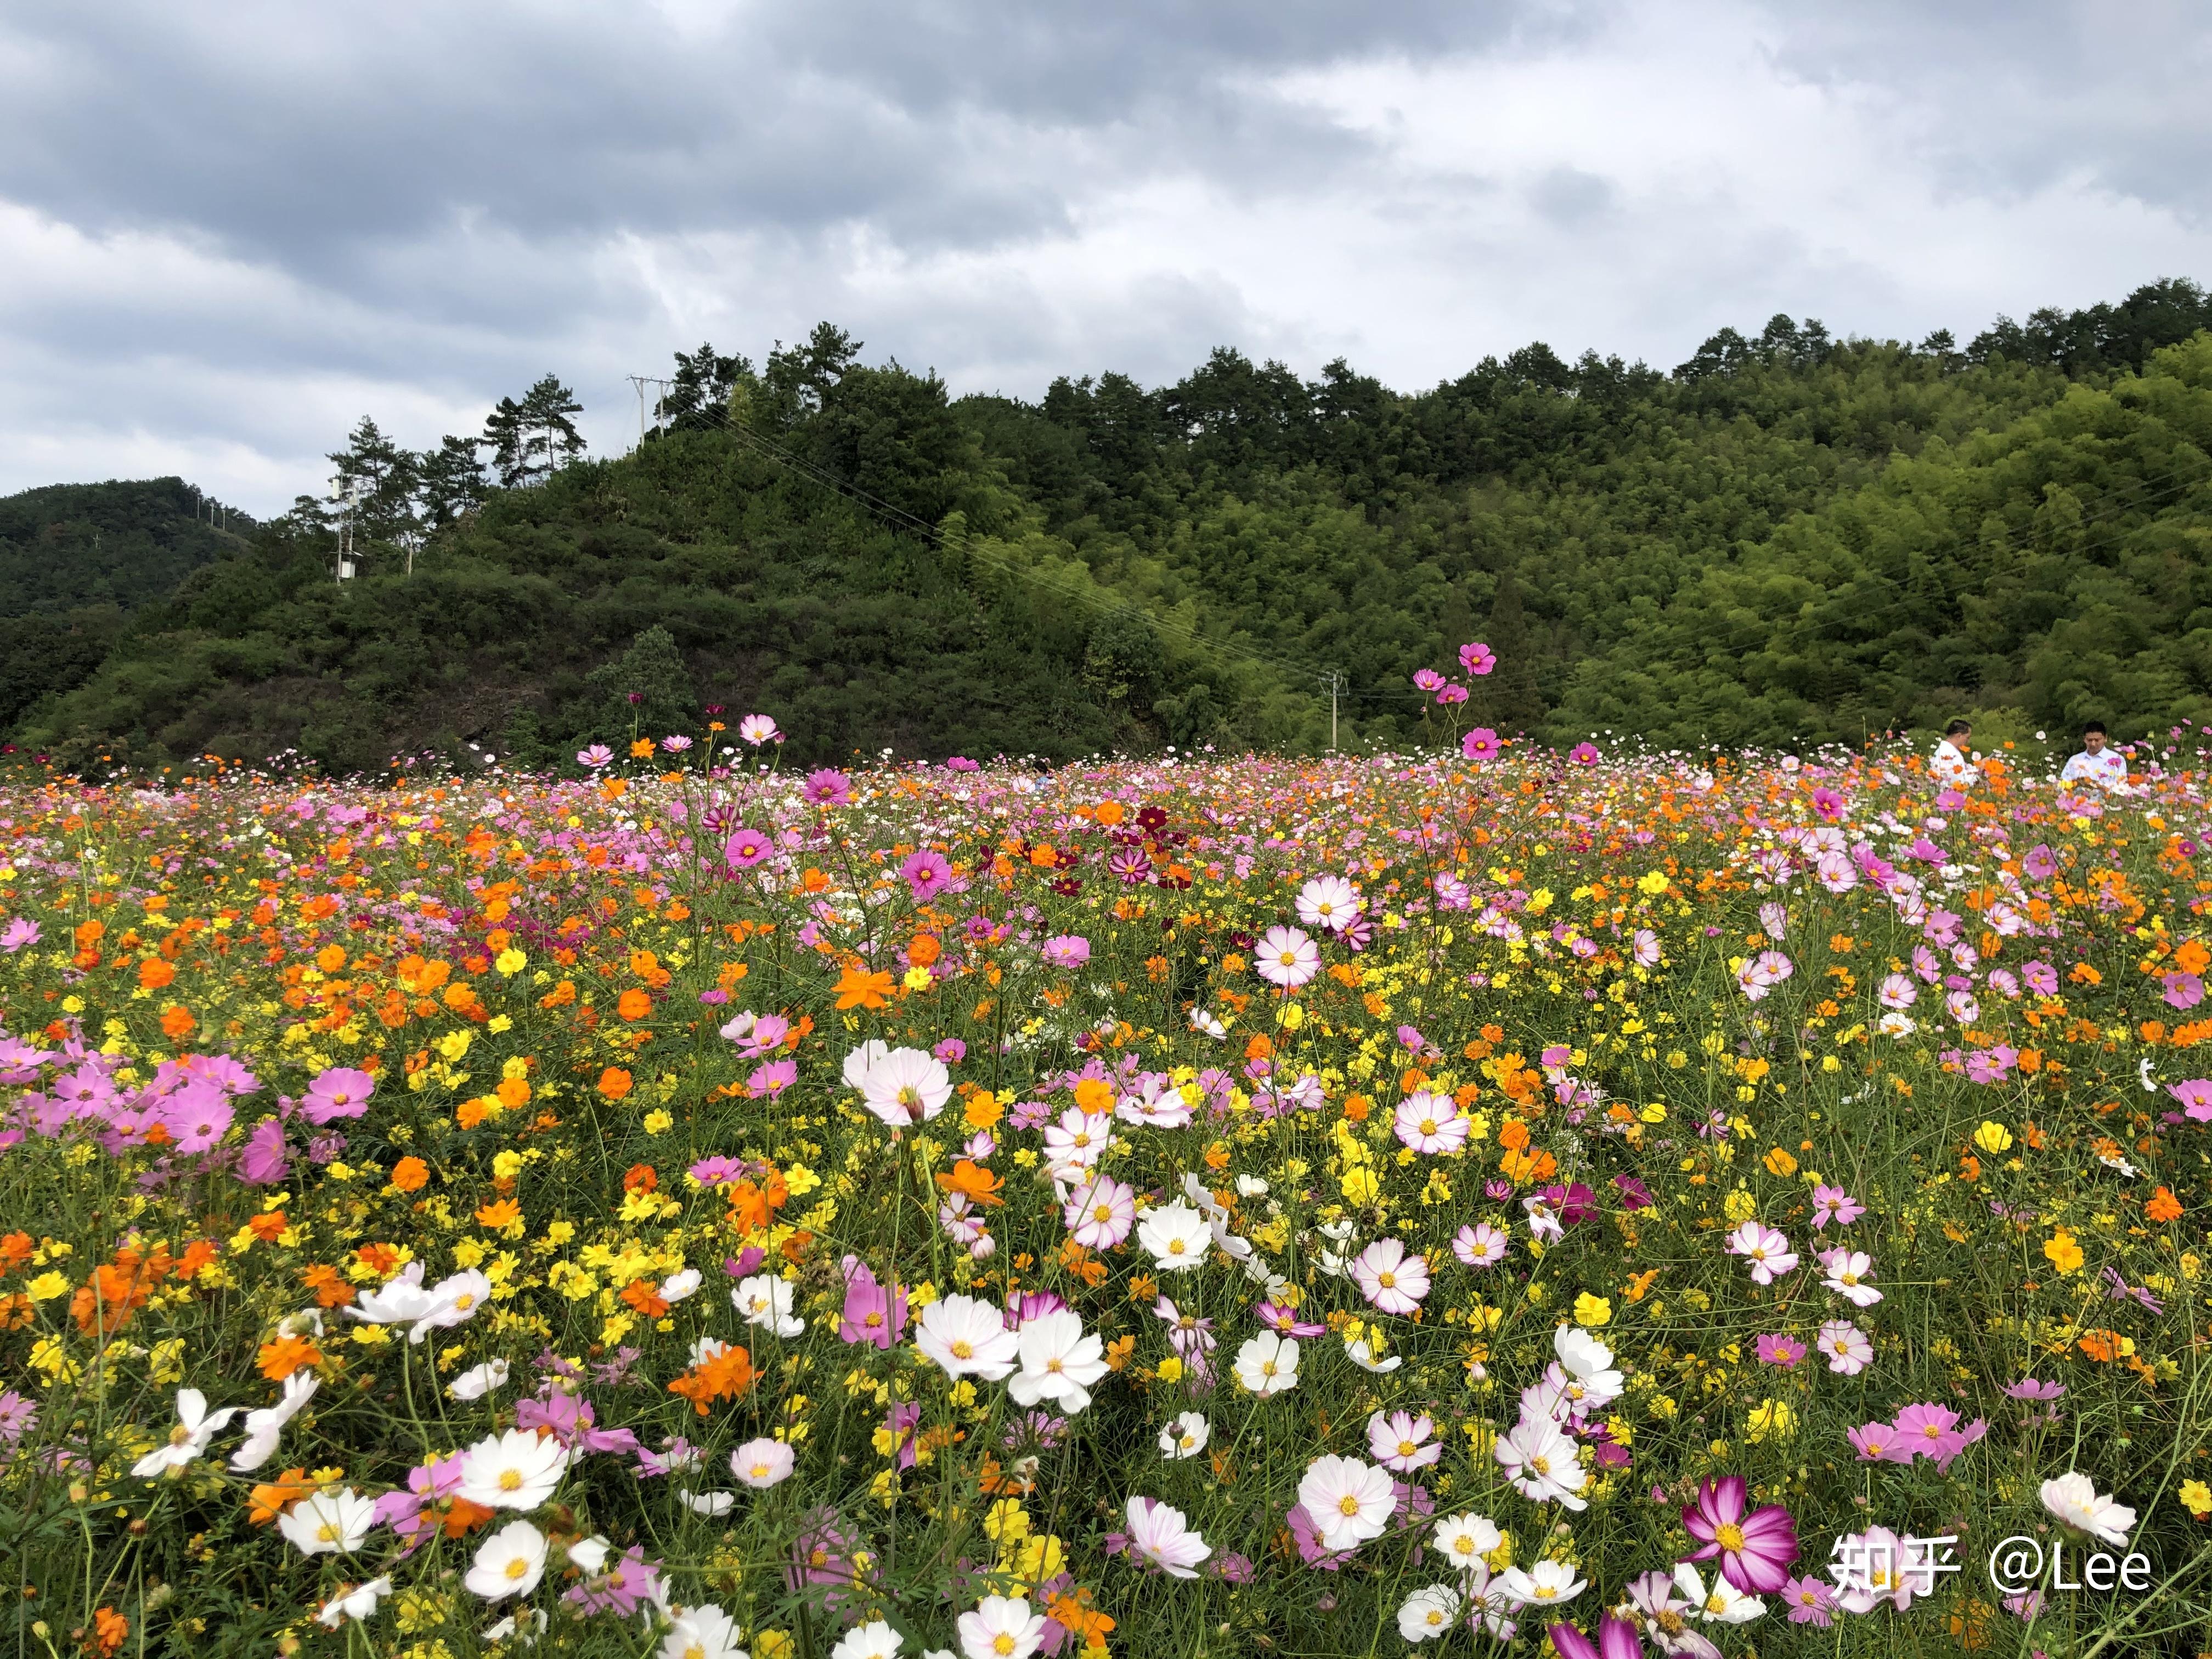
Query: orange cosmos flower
{"x": 287, "y": 1354}
{"x": 859, "y": 989}
{"x": 410, "y": 1175}
{"x": 615, "y": 1083}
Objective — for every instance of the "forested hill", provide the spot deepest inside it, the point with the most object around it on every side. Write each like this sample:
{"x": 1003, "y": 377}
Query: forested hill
{"x": 1787, "y": 538}
{"x": 75, "y": 559}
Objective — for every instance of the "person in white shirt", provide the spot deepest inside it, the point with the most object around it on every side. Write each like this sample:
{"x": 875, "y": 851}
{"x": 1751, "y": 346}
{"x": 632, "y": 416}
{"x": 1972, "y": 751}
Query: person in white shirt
{"x": 2099, "y": 763}
{"x": 1953, "y": 766}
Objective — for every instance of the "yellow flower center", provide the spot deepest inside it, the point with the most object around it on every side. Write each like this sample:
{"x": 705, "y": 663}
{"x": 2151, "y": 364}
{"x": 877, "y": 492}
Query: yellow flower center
{"x": 1407, "y": 1447}
{"x": 1002, "y": 1644}
{"x": 1541, "y": 1465}
{"x": 517, "y": 1567}
{"x": 327, "y": 1533}
{"x": 1348, "y": 1504}
{"x": 1174, "y": 1247}
{"x": 1729, "y": 1535}
{"x": 874, "y": 1321}
{"x": 1104, "y": 1212}
{"x": 1387, "y": 1281}
{"x": 962, "y": 1350}
{"x": 510, "y": 1480}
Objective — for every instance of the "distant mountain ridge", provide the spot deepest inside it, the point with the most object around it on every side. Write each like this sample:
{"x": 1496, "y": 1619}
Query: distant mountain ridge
{"x": 1790, "y": 539}
{"x": 76, "y": 559}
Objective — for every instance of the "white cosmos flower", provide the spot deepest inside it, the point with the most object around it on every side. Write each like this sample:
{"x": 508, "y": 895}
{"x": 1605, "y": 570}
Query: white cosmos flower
{"x": 510, "y": 1562}
{"x": 196, "y": 1426}
{"x": 1542, "y": 1462}
{"x": 329, "y": 1522}
{"x": 876, "y": 1640}
{"x": 1163, "y": 1537}
{"x": 1268, "y": 1364}
{"x": 264, "y": 1425}
{"x": 479, "y": 1380}
{"x": 1002, "y": 1628}
{"x": 403, "y": 1300}
{"x": 453, "y": 1301}
{"x": 1185, "y": 1437}
{"x": 763, "y": 1463}
{"x": 357, "y": 1603}
{"x": 681, "y": 1283}
{"x": 1073, "y": 1145}
{"x": 1723, "y": 1604}
{"x": 1428, "y": 1614}
{"x": 526, "y": 1625}
{"x": 709, "y": 1503}
{"x": 1176, "y": 1235}
{"x": 964, "y": 1337}
{"x": 1543, "y": 1585}
{"x": 862, "y": 1061}
{"x": 702, "y": 1632}
{"x": 1587, "y": 1377}
{"x": 1360, "y": 1351}
{"x": 1060, "y": 1362}
{"x": 906, "y": 1086}
{"x": 1207, "y": 1023}
{"x": 517, "y": 1470}
{"x": 766, "y": 1301}
{"x": 1349, "y": 1501}
{"x": 2073, "y": 1499}
{"x": 1464, "y": 1540}
{"x": 1846, "y": 1273}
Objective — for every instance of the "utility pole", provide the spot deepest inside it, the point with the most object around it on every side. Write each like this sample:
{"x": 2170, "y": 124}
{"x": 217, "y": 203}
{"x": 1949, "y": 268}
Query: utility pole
{"x": 1332, "y": 678}
{"x": 641, "y": 381}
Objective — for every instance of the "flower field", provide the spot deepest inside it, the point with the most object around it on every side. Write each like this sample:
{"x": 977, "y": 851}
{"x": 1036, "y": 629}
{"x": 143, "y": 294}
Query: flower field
{"x": 1198, "y": 1207}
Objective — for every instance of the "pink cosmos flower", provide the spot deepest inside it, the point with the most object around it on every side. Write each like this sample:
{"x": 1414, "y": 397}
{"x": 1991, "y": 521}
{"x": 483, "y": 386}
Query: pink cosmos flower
{"x": 1100, "y": 1213}
{"x": 770, "y": 1080}
{"x": 1427, "y": 678}
{"x": 2195, "y": 1099}
{"x": 1430, "y": 1124}
{"x": 1834, "y": 1204}
{"x": 1477, "y": 659}
{"x": 1777, "y": 1349}
{"x": 1480, "y": 744}
{"x": 2184, "y": 990}
{"x": 1402, "y": 1441}
{"x": 1763, "y": 973}
{"x": 1067, "y": 950}
{"x": 1844, "y": 1347}
{"x": 1583, "y": 754}
{"x": 341, "y": 1091}
{"x": 872, "y": 1315}
{"x": 758, "y": 729}
{"x": 1451, "y": 692}
{"x": 1880, "y": 1443}
{"x": 1391, "y": 1278}
{"x": 1810, "y": 1601}
{"x": 595, "y": 756}
{"x": 17, "y": 934}
{"x": 1755, "y": 1546}
{"x": 1287, "y": 957}
{"x": 1766, "y": 1249}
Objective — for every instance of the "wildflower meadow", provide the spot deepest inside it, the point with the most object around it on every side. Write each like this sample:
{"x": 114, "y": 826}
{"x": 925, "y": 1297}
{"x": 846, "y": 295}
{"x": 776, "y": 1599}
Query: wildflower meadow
{"x": 1487, "y": 1200}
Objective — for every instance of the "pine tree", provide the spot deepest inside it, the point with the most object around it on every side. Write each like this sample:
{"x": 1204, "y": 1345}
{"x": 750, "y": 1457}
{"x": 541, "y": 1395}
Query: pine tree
{"x": 531, "y": 440}
{"x": 379, "y": 479}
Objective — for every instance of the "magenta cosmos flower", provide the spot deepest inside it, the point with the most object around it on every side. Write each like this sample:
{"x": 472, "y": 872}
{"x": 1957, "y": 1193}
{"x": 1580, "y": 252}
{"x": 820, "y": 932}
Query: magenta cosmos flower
{"x": 1480, "y": 744}
{"x": 1755, "y": 1548}
{"x": 927, "y": 873}
{"x": 827, "y": 787}
{"x": 1477, "y": 658}
{"x": 746, "y": 848}
{"x": 1583, "y": 754}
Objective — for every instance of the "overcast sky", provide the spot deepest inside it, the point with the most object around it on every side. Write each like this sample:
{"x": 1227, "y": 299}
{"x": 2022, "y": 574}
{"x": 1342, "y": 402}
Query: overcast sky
{"x": 229, "y": 230}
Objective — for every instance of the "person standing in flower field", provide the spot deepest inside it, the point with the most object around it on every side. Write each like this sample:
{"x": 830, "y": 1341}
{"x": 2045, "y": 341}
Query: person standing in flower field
{"x": 2098, "y": 762}
{"x": 1954, "y": 765}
